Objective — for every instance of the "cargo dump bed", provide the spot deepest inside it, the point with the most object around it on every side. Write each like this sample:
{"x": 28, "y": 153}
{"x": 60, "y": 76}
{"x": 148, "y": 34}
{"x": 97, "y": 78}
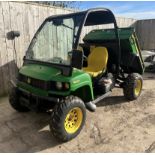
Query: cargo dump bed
{"x": 131, "y": 58}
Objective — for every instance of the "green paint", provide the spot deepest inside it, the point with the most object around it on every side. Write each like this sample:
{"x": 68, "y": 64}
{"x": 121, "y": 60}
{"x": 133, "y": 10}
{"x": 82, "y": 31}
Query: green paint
{"x": 108, "y": 34}
{"x": 125, "y": 35}
{"x": 80, "y": 82}
{"x": 77, "y": 80}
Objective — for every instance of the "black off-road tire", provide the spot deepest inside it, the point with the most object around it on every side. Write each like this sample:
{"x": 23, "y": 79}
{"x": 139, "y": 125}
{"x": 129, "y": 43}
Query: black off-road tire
{"x": 129, "y": 86}
{"x": 59, "y": 114}
{"x": 14, "y": 101}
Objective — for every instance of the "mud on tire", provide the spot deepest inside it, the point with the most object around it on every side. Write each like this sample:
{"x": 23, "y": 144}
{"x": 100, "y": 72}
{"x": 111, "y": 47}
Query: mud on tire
{"x": 133, "y": 86}
{"x": 58, "y": 122}
{"x": 14, "y": 101}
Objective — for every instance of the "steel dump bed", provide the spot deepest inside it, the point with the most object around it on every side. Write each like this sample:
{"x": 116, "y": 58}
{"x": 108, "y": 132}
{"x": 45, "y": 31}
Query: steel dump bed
{"x": 131, "y": 59}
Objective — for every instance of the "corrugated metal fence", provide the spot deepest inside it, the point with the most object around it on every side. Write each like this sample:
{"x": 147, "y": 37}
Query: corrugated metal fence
{"x": 26, "y": 18}
{"x": 145, "y": 30}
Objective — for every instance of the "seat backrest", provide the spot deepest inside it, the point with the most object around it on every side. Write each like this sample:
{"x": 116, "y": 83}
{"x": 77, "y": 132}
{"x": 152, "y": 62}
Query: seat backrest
{"x": 97, "y": 59}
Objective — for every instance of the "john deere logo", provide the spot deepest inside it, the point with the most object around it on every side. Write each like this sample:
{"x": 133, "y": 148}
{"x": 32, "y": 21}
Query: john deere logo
{"x": 29, "y": 80}
{"x": 76, "y": 81}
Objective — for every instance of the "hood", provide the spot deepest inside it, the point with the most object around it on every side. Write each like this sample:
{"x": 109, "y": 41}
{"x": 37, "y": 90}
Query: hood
{"x": 41, "y": 72}
{"x": 48, "y": 73}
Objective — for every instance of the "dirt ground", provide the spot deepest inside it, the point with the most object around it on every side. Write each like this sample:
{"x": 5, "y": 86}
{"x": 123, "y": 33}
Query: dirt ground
{"x": 116, "y": 126}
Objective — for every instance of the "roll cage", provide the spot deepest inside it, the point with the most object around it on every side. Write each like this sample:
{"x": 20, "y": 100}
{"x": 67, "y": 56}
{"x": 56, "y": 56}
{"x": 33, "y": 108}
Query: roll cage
{"x": 95, "y": 16}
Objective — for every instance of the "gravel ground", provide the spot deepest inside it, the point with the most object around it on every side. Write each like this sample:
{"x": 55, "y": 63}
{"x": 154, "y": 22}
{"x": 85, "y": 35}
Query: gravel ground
{"x": 116, "y": 126}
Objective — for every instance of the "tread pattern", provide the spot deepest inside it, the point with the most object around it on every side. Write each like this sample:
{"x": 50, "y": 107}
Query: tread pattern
{"x": 14, "y": 101}
{"x": 59, "y": 114}
{"x": 129, "y": 86}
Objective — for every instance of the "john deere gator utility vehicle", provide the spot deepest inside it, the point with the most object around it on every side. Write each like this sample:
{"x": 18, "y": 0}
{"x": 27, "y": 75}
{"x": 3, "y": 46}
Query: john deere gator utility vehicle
{"x": 61, "y": 73}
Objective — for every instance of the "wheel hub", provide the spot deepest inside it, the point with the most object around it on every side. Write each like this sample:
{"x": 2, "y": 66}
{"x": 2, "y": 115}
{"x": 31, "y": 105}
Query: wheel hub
{"x": 73, "y": 120}
{"x": 138, "y": 87}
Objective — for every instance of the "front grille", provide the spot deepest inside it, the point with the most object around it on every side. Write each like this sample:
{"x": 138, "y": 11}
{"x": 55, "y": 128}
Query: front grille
{"x": 35, "y": 82}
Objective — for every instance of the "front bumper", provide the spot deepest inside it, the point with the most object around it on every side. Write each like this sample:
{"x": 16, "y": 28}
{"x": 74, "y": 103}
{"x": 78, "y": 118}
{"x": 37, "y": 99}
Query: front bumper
{"x": 34, "y": 101}
{"x": 31, "y": 95}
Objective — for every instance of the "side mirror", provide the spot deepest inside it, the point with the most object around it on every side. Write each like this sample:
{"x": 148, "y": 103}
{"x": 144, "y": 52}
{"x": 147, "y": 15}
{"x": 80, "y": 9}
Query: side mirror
{"x": 12, "y": 35}
{"x": 77, "y": 59}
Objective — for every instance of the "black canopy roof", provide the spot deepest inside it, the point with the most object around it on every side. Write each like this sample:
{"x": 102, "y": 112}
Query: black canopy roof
{"x": 94, "y": 16}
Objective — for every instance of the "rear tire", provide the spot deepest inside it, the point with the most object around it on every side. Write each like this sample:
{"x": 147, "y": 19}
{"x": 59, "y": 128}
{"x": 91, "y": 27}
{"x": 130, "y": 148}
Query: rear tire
{"x": 133, "y": 86}
{"x": 68, "y": 118}
{"x": 14, "y": 101}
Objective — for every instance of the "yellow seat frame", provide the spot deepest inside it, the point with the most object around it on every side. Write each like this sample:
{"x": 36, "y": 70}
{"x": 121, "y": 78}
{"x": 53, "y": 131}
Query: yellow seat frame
{"x": 97, "y": 61}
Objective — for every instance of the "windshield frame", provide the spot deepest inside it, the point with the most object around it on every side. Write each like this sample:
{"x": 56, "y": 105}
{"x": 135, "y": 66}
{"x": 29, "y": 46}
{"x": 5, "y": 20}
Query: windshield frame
{"x": 75, "y": 43}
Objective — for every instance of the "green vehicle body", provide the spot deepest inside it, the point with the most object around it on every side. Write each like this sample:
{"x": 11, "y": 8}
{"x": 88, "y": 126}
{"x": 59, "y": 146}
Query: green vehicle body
{"x": 80, "y": 82}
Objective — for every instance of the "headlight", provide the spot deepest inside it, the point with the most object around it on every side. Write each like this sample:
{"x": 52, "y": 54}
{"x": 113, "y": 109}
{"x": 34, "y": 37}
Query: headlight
{"x": 59, "y": 85}
{"x": 62, "y": 85}
{"x": 66, "y": 86}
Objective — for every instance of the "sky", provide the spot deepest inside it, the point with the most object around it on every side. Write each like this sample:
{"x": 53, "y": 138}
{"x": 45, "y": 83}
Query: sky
{"x": 130, "y": 9}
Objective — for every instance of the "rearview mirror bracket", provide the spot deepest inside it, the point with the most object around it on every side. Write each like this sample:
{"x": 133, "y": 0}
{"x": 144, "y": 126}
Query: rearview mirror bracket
{"x": 77, "y": 59}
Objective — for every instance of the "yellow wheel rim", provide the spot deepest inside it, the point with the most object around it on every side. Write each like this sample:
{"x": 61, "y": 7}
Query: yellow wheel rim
{"x": 73, "y": 120}
{"x": 138, "y": 87}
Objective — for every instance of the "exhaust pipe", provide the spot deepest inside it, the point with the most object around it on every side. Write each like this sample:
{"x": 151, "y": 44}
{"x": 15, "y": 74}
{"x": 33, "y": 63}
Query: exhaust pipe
{"x": 90, "y": 106}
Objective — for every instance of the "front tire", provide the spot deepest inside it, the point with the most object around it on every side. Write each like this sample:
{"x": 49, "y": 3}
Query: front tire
{"x": 14, "y": 101}
{"x": 133, "y": 86}
{"x": 68, "y": 118}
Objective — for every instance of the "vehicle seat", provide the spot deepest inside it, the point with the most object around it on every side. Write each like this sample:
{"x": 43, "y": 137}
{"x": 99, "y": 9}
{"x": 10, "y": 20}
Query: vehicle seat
{"x": 97, "y": 61}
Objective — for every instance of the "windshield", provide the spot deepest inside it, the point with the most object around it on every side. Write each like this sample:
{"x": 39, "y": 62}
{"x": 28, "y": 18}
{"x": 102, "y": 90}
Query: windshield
{"x": 54, "y": 40}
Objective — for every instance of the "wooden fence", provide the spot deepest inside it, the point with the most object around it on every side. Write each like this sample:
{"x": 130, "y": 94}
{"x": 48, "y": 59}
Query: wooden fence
{"x": 26, "y": 18}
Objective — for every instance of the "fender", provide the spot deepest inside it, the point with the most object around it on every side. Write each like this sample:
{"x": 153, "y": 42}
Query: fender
{"x": 80, "y": 84}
